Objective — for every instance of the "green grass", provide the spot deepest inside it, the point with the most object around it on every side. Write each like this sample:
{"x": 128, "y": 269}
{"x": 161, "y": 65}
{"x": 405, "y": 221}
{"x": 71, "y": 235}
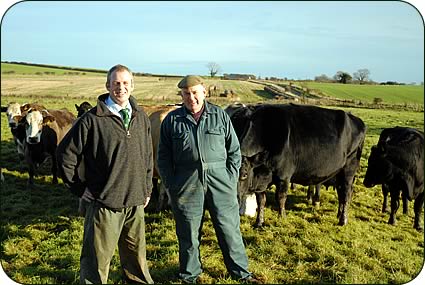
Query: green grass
{"x": 41, "y": 232}
{"x": 366, "y": 93}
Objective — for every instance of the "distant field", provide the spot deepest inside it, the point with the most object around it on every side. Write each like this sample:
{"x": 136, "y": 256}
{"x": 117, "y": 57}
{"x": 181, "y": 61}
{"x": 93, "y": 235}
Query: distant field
{"x": 388, "y": 93}
{"x": 29, "y": 81}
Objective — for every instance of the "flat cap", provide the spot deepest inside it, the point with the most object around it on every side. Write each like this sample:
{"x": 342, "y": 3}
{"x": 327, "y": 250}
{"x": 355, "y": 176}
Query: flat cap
{"x": 189, "y": 81}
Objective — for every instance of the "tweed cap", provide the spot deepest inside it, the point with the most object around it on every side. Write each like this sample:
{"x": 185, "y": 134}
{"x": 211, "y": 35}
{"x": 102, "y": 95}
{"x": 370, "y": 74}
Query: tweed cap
{"x": 189, "y": 81}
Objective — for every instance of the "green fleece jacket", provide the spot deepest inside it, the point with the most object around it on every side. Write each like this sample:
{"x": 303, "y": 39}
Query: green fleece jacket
{"x": 98, "y": 153}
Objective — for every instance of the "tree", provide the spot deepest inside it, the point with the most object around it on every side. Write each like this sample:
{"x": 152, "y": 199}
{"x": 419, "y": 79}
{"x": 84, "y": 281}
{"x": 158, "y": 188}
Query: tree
{"x": 342, "y": 77}
{"x": 213, "y": 68}
{"x": 362, "y": 75}
{"x": 322, "y": 78}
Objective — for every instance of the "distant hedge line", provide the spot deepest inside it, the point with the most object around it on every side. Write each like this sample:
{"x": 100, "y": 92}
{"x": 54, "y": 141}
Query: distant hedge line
{"x": 86, "y": 69}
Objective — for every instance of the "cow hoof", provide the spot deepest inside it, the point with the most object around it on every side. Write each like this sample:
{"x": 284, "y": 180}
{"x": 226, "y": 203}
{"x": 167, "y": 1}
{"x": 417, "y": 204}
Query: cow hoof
{"x": 419, "y": 229}
{"x": 317, "y": 205}
{"x": 258, "y": 226}
{"x": 343, "y": 220}
{"x": 391, "y": 222}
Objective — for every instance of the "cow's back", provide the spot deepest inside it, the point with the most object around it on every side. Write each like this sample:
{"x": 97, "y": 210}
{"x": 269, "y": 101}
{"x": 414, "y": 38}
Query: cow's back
{"x": 156, "y": 117}
{"x": 307, "y": 143}
{"x": 62, "y": 123}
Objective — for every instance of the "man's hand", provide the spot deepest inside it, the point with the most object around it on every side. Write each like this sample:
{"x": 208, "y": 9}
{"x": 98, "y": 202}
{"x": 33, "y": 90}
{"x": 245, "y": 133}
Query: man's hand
{"x": 87, "y": 196}
{"x": 147, "y": 202}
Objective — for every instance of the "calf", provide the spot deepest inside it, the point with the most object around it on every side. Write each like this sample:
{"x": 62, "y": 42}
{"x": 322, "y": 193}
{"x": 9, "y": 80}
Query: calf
{"x": 397, "y": 161}
{"x": 44, "y": 130}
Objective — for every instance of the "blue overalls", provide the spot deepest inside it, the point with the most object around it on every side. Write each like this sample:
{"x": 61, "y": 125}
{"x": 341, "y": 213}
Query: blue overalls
{"x": 199, "y": 164}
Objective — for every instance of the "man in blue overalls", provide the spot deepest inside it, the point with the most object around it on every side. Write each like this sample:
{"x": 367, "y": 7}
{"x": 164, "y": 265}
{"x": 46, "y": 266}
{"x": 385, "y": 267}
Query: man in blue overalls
{"x": 199, "y": 160}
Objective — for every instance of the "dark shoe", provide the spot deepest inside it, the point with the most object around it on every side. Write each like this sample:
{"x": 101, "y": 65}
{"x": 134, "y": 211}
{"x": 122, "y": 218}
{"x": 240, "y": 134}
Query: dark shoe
{"x": 193, "y": 280}
{"x": 250, "y": 280}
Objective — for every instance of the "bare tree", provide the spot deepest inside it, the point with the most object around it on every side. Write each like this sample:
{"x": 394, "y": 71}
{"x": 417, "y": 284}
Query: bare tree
{"x": 362, "y": 75}
{"x": 213, "y": 68}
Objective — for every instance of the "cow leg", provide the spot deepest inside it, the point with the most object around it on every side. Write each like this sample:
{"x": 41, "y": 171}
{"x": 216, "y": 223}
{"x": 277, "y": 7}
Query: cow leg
{"x": 419, "y": 203}
{"x": 310, "y": 194}
{"x": 31, "y": 171}
{"x": 395, "y": 203}
{"x": 282, "y": 194}
{"x": 316, "y": 198}
{"x": 385, "y": 191}
{"x": 162, "y": 197}
{"x": 54, "y": 169}
{"x": 405, "y": 204}
{"x": 344, "y": 191}
{"x": 261, "y": 203}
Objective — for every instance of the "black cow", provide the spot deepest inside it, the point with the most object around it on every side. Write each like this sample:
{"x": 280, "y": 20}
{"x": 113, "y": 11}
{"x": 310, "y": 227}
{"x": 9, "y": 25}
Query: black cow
{"x": 398, "y": 162}
{"x": 302, "y": 144}
{"x": 83, "y": 108}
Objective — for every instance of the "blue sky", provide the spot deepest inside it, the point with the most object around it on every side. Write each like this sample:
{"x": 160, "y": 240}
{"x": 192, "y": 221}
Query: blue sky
{"x": 297, "y": 40}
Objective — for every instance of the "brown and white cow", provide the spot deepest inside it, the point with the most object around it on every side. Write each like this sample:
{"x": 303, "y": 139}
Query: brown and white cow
{"x": 15, "y": 112}
{"x": 44, "y": 130}
{"x": 156, "y": 117}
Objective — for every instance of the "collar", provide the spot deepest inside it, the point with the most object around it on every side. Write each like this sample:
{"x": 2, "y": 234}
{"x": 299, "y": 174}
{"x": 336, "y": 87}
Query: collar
{"x": 103, "y": 109}
{"x": 115, "y": 108}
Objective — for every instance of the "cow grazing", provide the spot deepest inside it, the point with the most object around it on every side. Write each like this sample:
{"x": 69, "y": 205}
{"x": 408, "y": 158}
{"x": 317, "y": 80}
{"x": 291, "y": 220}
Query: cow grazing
{"x": 302, "y": 144}
{"x": 44, "y": 130}
{"x": 397, "y": 161}
{"x": 83, "y": 108}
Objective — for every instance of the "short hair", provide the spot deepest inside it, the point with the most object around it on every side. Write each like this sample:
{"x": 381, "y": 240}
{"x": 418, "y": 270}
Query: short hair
{"x": 117, "y": 68}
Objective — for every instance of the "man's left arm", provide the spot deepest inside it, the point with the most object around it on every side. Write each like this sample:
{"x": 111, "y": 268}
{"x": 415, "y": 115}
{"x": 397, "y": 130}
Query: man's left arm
{"x": 233, "y": 162}
{"x": 149, "y": 161}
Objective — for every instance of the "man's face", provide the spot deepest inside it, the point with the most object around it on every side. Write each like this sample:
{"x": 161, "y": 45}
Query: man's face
{"x": 193, "y": 97}
{"x": 120, "y": 87}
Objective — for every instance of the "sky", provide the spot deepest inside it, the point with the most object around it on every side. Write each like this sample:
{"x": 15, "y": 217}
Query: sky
{"x": 292, "y": 39}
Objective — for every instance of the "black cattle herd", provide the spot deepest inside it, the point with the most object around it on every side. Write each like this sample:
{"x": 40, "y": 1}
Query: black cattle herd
{"x": 280, "y": 144}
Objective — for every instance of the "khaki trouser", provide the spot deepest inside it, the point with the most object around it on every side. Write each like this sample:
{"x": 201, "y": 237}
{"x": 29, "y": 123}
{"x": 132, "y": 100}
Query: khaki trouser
{"x": 103, "y": 230}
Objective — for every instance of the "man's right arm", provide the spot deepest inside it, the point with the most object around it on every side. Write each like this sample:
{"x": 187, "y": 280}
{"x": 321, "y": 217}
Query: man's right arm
{"x": 70, "y": 158}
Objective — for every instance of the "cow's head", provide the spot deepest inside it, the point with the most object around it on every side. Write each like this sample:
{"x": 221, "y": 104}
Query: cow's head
{"x": 35, "y": 120}
{"x": 83, "y": 108}
{"x": 379, "y": 169}
{"x": 13, "y": 110}
{"x": 254, "y": 175}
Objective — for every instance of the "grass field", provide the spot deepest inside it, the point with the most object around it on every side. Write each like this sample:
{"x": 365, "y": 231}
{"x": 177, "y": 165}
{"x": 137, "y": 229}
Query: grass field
{"x": 366, "y": 93}
{"x": 41, "y": 232}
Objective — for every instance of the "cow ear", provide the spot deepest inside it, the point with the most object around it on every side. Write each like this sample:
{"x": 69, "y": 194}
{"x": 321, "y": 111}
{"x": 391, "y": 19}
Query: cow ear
{"x": 259, "y": 158}
{"x": 48, "y": 119}
{"x": 77, "y": 107}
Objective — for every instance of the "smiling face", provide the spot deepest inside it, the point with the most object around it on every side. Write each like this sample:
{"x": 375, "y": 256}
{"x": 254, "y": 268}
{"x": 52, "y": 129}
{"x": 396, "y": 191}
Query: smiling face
{"x": 120, "y": 85}
{"x": 193, "y": 97}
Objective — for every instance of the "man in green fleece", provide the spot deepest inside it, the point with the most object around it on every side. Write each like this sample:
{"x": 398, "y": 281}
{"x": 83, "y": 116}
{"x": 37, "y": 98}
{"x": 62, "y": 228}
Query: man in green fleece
{"x": 199, "y": 160}
{"x": 106, "y": 159}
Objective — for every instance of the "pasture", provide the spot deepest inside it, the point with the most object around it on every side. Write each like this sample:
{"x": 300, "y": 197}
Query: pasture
{"x": 388, "y": 93}
{"x": 41, "y": 232}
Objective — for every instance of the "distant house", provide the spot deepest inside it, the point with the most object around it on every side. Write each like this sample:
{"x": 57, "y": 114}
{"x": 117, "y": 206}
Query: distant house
{"x": 235, "y": 76}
